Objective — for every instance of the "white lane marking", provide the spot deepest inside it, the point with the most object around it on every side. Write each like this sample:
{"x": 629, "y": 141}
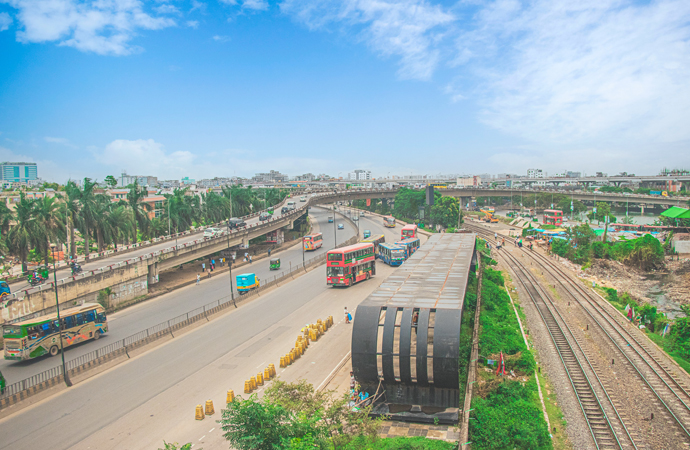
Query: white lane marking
{"x": 211, "y": 429}
{"x": 338, "y": 366}
{"x": 202, "y": 437}
{"x": 261, "y": 364}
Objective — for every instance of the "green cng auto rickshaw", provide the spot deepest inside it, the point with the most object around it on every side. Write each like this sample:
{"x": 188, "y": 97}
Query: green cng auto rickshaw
{"x": 2, "y": 384}
{"x": 275, "y": 264}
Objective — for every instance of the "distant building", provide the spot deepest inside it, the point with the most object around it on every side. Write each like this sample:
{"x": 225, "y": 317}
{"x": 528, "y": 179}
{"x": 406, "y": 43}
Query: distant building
{"x": 359, "y": 175}
{"x": 570, "y": 174}
{"x": 187, "y": 180}
{"x": 305, "y": 177}
{"x": 147, "y": 180}
{"x": 271, "y": 177}
{"x": 536, "y": 173}
{"x": 18, "y": 172}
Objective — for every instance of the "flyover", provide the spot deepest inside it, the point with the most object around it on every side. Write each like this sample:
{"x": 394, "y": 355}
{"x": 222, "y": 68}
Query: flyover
{"x": 617, "y": 180}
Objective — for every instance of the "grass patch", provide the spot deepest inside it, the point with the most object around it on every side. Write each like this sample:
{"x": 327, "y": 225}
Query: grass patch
{"x": 466, "y": 330}
{"x": 558, "y": 424}
{"x": 400, "y": 443}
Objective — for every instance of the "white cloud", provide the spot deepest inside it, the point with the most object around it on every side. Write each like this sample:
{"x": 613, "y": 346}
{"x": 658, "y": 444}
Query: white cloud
{"x": 61, "y": 141}
{"x": 167, "y": 9}
{"x": 148, "y": 157}
{"x": 589, "y": 71}
{"x": 219, "y": 38}
{"x": 192, "y": 24}
{"x": 258, "y": 5}
{"x": 409, "y": 29}
{"x": 5, "y": 21}
{"x": 101, "y": 26}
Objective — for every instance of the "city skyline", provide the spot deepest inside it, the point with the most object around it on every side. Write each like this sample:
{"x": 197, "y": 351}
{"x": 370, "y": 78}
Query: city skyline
{"x": 233, "y": 88}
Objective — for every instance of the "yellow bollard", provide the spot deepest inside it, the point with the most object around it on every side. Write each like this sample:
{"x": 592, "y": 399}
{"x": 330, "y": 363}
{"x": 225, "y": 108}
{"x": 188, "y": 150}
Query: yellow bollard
{"x": 291, "y": 357}
{"x": 199, "y": 415}
{"x": 304, "y": 346}
{"x": 209, "y": 408}
{"x": 282, "y": 361}
{"x": 330, "y": 320}
{"x": 231, "y": 397}
{"x": 267, "y": 373}
{"x": 252, "y": 381}
{"x": 247, "y": 387}
{"x": 272, "y": 369}
{"x": 259, "y": 379}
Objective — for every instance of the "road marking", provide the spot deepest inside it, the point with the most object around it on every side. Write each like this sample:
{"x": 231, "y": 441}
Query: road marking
{"x": 336, "y": 368}
{"x": 261, "y": 364}
{"x": 202, "y": 437}
{"x": 211, "y": 429}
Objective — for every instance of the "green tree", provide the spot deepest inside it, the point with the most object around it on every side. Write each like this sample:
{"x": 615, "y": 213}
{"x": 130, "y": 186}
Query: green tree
{"x": 139, "y": 209}
{"x": 603, "y": 210}
{"x": 71, "y": 209}
{"x": 87, "y": 212}
{"x": 51, "y": 222}
{"x": 445, "y": 212}
{"x": 26, "y": 231}
{"x": 6, "y": 217}
{"x": 110, "y": 181}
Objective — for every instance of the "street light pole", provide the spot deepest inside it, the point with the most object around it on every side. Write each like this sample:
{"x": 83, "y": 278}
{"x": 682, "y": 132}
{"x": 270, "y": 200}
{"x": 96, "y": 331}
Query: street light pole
{"x": 230, "y": 260}
{"x": 57, "y": 306}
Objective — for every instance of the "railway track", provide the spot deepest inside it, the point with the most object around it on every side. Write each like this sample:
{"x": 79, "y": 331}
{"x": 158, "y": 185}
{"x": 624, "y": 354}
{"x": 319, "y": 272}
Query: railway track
{"x": 670, "y": 392}
{"x": 605, "y": 424}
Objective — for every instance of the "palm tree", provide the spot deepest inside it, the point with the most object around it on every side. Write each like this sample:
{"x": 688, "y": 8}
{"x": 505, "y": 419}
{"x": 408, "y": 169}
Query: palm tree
{"x": 122, "y": 222}
{"x": 71, "y": 206}
{"x": 6, "y": 217}
{"x": 50, "y": 221}
{"x": 134, "y": 196}
{"x": 87, "y": 203}
{"x": 24, "y": 234}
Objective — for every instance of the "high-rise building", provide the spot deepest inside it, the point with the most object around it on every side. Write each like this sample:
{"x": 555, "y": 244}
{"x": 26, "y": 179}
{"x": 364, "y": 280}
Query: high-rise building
{"x": 359, "y": 175}
{"x": 536, "y": 173}
{"x": 17, "y": 172}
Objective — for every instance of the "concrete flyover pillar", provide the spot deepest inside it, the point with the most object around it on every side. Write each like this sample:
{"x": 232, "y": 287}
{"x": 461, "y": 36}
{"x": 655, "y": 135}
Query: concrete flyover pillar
{"x": 291, "y": 225}
{"x": 642, "y": 208}
{"x": 153, "y": 273}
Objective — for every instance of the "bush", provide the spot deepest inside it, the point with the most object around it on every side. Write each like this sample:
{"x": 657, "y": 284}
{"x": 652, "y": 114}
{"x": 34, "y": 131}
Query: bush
{"x": 509, "y": 418}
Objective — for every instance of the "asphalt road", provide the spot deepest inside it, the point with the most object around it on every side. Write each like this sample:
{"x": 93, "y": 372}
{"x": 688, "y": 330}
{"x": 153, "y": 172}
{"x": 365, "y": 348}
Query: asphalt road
{"x": 147, "y": 314}
{"x": 119, "y": 257}
{"x": 152, "y": 397}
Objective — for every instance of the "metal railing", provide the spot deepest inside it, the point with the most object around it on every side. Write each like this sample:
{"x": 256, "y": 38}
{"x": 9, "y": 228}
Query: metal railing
{"x": 123, "y": 346}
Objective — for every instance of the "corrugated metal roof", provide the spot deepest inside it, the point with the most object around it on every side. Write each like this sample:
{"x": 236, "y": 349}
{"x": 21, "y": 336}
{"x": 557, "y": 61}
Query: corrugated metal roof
{"x": 435, "y": 276}
{"x": 675, "y": 212}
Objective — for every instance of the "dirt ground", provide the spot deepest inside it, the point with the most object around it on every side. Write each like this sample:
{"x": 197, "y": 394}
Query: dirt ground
{"x": 673, "y": 282}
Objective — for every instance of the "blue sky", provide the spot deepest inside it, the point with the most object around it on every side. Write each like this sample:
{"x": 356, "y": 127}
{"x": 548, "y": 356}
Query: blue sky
{"x": 210, "y": 88}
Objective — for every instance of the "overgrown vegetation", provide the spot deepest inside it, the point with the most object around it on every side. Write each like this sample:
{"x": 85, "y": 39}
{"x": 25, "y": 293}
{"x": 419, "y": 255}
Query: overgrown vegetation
{"x": 506, "y": 410}
{"x": 466, "y": 330}
{"x": 676, "y": 342}
{"x": 581, "y": 247}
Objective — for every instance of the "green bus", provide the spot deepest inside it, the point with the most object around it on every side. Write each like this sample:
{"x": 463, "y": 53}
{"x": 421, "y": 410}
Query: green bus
{"x": 40, "y": 336}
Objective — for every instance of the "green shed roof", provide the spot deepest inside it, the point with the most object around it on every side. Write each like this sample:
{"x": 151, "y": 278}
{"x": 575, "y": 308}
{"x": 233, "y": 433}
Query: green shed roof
{"x": 675, "y": 212}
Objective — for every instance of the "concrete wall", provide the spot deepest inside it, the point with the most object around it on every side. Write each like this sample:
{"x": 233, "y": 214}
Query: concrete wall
{"x": 681, "y": 246}
{"x": 126, "y": 283}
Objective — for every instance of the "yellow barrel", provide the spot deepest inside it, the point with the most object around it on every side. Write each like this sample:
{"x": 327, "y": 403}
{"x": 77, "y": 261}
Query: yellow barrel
{"x": 260, "y": 379}
{"x": 199, "y": 414}
{"x": 282, "y": 361}
{"x": 272, "y": 368}
{"x": 267, "y": 374}
{"x": 209, "y": 408}
{"x": 247, "y": 387}
{"x": 230, "y": 397}
{"x": 252, "y": 382}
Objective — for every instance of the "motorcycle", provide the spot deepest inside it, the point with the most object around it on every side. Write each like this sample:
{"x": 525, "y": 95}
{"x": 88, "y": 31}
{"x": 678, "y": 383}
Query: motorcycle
{"x": 76, "y": 269}
{"x": 35, "y": 281}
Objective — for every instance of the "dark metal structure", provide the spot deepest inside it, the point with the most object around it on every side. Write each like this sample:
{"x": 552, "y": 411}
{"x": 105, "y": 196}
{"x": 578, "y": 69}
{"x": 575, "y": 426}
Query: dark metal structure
{"x": 406, "y": 334}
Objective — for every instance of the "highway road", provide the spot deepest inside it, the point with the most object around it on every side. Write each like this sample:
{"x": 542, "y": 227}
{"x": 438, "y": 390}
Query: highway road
{"x": 147, "y": 314}
{"x": 119, "y": 257}
{"x": 151, "y": 397}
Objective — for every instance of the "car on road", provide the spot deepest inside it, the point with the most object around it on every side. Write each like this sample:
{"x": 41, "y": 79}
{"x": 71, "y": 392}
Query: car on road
{"x": 330, "y": 219}
{"x": 284, "y": 210}
{"x": 361, "y": 214}
{"x": 264, "y": 216}
{"x": 367, "y": 233}
{"x": 236, "y": 223}
{"x": 303, "y": 198}
{"x": 341, "y": 226}
{"x": 211, "y": 232}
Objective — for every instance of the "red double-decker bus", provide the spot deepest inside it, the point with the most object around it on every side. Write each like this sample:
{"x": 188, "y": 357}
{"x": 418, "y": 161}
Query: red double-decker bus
{"x": 553, "y": 217}
{"x": 408, "y": 231}
{"x": 348, "y": 265}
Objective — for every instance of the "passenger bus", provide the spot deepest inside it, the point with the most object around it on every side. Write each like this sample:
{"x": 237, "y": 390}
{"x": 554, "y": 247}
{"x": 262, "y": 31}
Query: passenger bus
{"x": 410, "y": 245}
{"x": 347, "y": 265}
{"x": 389, "y": 222}
{"x": 408, "y": 231}
{"x": 40, "y": 336}
{"x": 312, "y": 241}
{"x": 375, "y": 239}
{"x": 392, "y": 254}
{"x": 553, "y": 217}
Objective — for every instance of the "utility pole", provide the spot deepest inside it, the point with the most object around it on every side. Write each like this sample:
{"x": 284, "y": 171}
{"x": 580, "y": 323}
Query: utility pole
{"x": 232, "y": 290}
{"x": 57, "y": 306}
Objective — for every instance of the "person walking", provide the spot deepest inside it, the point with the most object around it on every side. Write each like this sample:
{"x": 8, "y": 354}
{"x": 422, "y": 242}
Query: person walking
{"x": 250, "y": 259}
{"x": 203, "y": 267}
{"x": 347, "y": 316}
{"x": 269, "y": 251}
{"x": 198, "y": 278}
{"x": 495, "y": 236}
{"x": 504, "y": 242}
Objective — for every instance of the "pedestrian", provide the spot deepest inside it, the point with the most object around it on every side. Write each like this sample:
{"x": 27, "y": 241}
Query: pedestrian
{"x": 495, "y": 236}
{"x": 250, "y": 259}
{"x": 203, "y": 267}
{"x": 209, "y": 274}
{"x": 347, "y": 316}
{"x": 269, "y": 251}
{"x": 213, "y": 263}
{"x": 504, "y": 242}
{"x": 353, "y": 383}
{"x": 198, "y": 278}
